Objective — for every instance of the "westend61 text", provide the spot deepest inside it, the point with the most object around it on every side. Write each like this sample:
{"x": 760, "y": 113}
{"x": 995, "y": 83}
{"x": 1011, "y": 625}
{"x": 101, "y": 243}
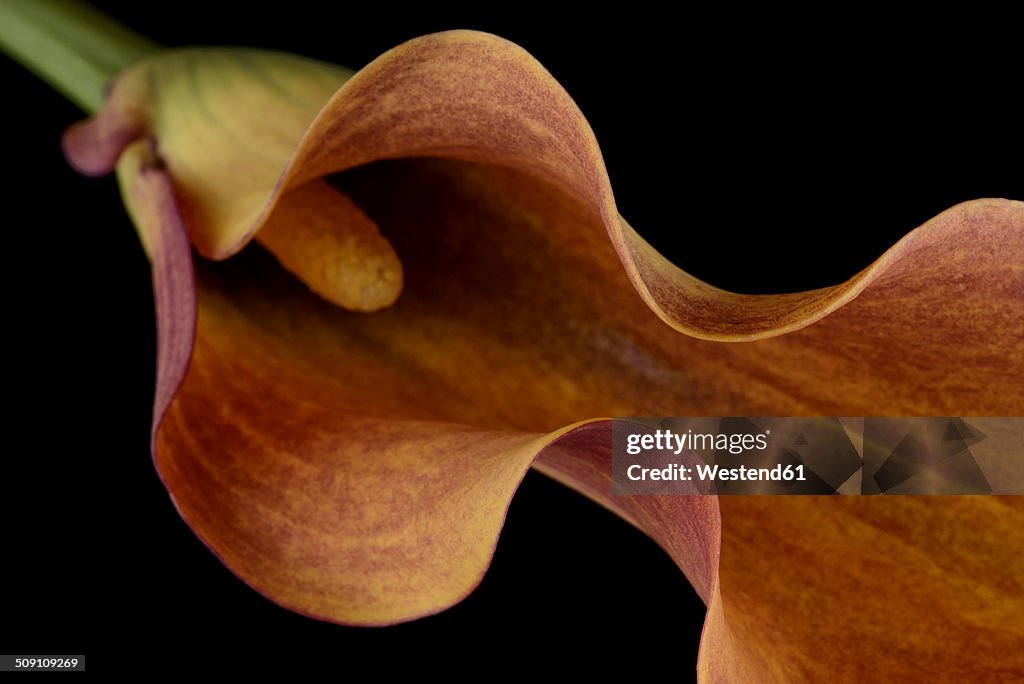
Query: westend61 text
{"x": 714, "y": 473}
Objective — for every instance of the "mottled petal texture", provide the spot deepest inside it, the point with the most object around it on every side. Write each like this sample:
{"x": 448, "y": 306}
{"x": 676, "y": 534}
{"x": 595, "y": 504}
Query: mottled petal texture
{"x": 357, "y": 468}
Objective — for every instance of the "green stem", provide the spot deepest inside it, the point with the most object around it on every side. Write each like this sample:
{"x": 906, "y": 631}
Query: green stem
{"x": 71, "y": 46}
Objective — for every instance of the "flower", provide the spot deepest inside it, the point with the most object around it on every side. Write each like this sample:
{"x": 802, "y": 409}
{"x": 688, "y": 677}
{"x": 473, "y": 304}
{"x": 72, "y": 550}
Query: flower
{"x": 357, "y": 467}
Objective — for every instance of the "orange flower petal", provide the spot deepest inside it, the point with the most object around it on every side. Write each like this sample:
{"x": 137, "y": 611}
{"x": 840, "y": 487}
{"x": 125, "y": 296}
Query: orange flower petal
{"x": 357, "y": 468}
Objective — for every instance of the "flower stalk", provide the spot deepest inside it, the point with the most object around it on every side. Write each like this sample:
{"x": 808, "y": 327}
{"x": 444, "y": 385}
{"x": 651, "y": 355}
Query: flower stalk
{"x": 71, "y": 46}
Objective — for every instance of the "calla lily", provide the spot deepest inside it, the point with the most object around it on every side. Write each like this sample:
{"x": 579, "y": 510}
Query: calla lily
{"x": 467, "y": 303}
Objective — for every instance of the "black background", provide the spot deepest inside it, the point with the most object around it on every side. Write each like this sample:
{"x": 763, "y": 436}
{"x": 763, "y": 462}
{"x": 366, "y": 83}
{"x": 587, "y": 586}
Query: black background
{"x": 761, "y": 159}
